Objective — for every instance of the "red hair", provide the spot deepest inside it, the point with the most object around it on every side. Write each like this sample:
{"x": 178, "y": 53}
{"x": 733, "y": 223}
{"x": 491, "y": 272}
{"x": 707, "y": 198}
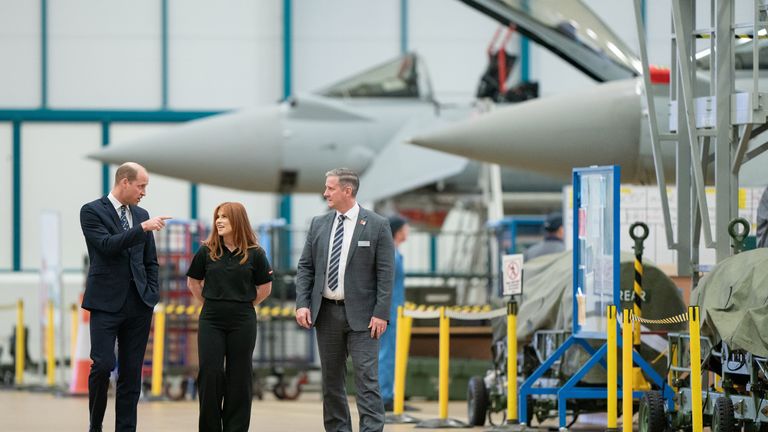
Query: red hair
{"x": 242, "y": 233}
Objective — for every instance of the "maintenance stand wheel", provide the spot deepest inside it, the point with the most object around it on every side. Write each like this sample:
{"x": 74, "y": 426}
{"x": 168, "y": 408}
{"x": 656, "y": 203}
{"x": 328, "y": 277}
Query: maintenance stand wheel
{"x": 651, "y": 413}
{"x": 477, "y": 401}
{"x": 723, "y": 420}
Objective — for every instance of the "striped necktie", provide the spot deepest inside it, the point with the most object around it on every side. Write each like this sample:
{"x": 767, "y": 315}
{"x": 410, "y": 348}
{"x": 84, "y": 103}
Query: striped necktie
{"x": 333, "y": 270}
{"x": 124, "y": 219}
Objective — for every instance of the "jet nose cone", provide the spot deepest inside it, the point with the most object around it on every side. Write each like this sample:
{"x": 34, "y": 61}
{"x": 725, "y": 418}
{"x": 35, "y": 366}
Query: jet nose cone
{"x": 554, "y": 134}
{"x": 247, "y": 142}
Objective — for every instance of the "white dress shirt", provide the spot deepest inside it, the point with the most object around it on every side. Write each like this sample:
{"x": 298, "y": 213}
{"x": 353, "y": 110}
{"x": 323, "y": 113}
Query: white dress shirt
{"x": 350, "y": 221}
{"x": 117, "y": 205}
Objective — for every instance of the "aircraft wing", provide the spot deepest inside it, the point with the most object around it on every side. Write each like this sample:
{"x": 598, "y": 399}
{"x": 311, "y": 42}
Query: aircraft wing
{"x": 401, "y": 167}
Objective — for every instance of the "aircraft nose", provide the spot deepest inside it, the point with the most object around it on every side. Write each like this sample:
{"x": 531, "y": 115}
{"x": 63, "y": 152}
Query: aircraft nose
{"x": 554, "y": 134}
{"x": 247, "y": 142}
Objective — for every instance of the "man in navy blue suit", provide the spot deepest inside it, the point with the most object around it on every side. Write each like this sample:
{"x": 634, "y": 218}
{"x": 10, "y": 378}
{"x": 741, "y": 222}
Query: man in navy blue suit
{"x": 120, "y": 291}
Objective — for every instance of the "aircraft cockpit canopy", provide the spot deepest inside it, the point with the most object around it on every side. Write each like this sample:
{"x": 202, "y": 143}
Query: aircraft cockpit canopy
{"x": 571, "y": 30}
{"x": 403, "y": 77}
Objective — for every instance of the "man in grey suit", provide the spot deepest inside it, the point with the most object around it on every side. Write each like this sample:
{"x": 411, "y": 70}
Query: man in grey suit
{"x": 343, "y": 288}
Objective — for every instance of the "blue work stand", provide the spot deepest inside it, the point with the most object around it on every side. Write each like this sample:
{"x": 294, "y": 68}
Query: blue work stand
{"x": 570, "y": 390}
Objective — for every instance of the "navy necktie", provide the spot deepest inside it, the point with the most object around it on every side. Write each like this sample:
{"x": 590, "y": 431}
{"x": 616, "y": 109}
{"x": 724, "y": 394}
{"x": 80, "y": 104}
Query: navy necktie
{"x": 124, "y": 219}
{"x": 333, "y": 270}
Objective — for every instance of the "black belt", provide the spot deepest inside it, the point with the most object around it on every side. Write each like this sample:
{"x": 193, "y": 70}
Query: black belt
{"x": 336, "y": 302}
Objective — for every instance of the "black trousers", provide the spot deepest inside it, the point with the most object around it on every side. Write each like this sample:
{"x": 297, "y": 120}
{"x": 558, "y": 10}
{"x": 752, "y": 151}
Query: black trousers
{"x": 225, "y": 341}
{"x": 130, "y": 328}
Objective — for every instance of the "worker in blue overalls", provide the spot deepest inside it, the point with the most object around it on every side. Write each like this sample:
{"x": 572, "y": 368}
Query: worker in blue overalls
{"x": 399, "y": 227}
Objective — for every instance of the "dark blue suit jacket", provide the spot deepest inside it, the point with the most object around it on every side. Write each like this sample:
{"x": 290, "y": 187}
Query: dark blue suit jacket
{"x": 117, "y": 256}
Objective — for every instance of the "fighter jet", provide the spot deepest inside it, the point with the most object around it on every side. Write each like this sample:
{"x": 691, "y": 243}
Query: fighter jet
{"x": 601, "y": 125}
{"x": 362, "y": 122}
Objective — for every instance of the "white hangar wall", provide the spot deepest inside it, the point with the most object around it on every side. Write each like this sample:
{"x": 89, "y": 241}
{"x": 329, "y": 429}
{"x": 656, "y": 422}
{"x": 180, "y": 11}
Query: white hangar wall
{"x": 107, "y": 55}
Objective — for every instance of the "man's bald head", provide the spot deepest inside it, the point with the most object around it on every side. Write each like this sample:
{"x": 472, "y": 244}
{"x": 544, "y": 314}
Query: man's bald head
{"x": 129, "y": 171}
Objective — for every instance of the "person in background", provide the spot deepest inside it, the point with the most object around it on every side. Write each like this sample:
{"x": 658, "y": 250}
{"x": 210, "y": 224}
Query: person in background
{"x": 399, "y": 227}
{"x": 230, "y": 274}
{"x": 553, "y": 238}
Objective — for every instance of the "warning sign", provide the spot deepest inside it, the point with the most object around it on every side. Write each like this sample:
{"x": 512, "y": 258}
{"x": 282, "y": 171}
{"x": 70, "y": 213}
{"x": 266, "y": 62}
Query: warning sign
{"x": 512, "y": 275}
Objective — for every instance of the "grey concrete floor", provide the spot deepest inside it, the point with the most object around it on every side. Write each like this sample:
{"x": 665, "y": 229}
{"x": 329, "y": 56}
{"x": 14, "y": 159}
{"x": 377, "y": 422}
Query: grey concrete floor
{"x": 24, "y": 411}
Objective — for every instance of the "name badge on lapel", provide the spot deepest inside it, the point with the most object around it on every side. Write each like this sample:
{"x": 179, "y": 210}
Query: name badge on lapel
{"x": 364, "y": 243}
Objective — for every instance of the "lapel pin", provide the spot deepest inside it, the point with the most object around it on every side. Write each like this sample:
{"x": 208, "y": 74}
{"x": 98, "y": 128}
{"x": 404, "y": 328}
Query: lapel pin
{"x": 362, "y": 221}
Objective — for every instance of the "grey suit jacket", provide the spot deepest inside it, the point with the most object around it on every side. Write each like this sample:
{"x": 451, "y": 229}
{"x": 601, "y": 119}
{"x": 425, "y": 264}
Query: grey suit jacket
{"x": 369, "y": 272}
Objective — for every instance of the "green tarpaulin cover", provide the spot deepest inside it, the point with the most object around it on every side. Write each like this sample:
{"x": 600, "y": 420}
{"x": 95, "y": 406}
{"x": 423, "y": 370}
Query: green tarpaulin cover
{"x": 734, "y": 302}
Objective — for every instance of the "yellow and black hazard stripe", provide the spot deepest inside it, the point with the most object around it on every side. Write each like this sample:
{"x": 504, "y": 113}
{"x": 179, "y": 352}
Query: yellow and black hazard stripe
{"x": 455, "y": 308}
{"x": 180, "y": 309}
{"x": 194, "y": 311}
{"x": 735, "y": 36}
{"x": 639, "y": 295}
{"x": 675, "y": 319}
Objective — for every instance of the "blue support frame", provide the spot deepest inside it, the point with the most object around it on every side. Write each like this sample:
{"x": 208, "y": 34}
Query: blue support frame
{"x": 285, "y": 207}
{"x": 403, "y": 26}
{"x": 193, "y": 200}
{"x": 525, "y": 53}
{"x": 525, "y": 59}
{"x": 433, "y": 253}
{"x": 164, "y": 54}
{"x": 287, "y": 48}
{"x": 96, "y": 116}
{"x": 105, "y": 167}
{"x": 43, "y": 53}
{"x": 16, "y": 196}
{"x": 577, "y": 173}
{"x": 570, "y": 390}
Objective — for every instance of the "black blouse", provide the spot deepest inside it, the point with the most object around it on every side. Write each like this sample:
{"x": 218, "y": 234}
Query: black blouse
{"x": 226, "y": 278}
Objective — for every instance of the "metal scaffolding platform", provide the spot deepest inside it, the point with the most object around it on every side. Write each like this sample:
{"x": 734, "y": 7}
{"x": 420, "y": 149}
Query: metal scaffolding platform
{"x": 714, "y": 126}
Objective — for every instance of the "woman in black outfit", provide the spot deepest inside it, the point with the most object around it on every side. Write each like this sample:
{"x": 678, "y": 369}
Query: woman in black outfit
{"x": 230, "y": 274}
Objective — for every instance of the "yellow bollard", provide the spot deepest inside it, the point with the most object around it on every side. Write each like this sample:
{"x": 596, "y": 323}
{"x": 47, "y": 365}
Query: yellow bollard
{"x": 73, "y": 335}
{"x": 158, "y": 346}
{"x": 512, "y": 417}
{"x": 674, "y": 362}
{"x": 443, "y": 380}
{"x": 20, "y": 354}
{"x": 49, "y": 347}
{"x": 638, "y": 297}
{"x": 626, "y": 371}
{"x": 408, "y": 324}
{"x": 639, "y": 294}
{"x": 445, "y": 340}
{"x": 402, "y": 346}
{"x": 693, "y": 328}
{"x": 612, "y": 369}
{"x": 401, "y": 362}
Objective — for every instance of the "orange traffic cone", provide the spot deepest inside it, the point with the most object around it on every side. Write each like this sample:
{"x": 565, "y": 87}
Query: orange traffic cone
{"x": 81, "y": 361}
